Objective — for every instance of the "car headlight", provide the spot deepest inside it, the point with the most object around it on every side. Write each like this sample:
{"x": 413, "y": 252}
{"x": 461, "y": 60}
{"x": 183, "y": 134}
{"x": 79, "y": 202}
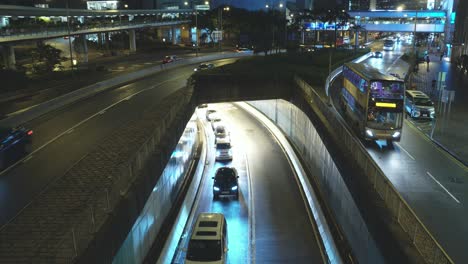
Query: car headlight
{"x": 396, "y": 134}
{"x": 369, "y": 133}
{"x": 216, "y": 188}
{"x": 195, "y": 69}
{"x": 234, "y": 188}
{"x": 230, "y": 152}
{"x": 416, "y": 113}
{"x": 432, "y": 114}
{"x": 218, "y": 153}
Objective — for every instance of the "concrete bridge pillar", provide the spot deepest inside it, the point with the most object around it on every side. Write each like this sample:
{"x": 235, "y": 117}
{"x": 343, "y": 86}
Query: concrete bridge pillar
{"x": 132, "y": 38}
{"x": 174, "y": 35}
{"x": 9, "y": 59}
{"x": 372, "y": 5}
{"x": 185, "y": 34}
{"x": 85, "y": 49}
{"x": 159, "y": 33}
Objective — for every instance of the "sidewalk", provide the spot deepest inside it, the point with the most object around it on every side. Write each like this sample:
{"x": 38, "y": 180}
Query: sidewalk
{"x": 450, "y": 129}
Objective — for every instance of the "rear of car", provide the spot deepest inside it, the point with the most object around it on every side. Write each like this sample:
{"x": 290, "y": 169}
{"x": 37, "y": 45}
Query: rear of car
{"x": 223, "y": 149}
{"x": 14, "y": 144}
{"x": 226, "y": 183}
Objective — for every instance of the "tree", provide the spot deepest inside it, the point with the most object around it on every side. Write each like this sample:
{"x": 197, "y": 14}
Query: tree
{"x": 339, "y": 17}
{"x": 46, "y": 56}
{"x": 205, "y": 20}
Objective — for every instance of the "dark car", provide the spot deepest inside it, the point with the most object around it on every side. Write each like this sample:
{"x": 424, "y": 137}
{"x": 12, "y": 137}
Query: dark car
{"x": 204, "y": 66}
{"x": 14, "y": 144}
{"x": 377, "y": 54}
{"x": 226, "y": 183}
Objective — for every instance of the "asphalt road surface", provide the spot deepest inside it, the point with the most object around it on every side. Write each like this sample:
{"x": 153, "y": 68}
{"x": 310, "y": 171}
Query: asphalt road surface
{"x": 432, "y": 182}
{"x": 269, "y": 223}
{"x": 61, "y": 138}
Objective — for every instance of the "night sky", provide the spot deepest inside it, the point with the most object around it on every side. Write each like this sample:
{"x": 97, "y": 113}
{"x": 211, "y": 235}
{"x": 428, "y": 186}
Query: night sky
{"x": 260, "y": 4}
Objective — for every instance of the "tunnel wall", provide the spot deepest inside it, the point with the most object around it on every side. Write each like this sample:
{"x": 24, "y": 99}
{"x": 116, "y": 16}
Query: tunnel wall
{"x": 301, "y": 132}
{"x": 147, "y": 226}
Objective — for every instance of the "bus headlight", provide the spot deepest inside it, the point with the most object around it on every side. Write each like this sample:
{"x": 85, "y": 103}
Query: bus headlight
{"x": 369, "y": 133}
{"x": 396, "y": 134}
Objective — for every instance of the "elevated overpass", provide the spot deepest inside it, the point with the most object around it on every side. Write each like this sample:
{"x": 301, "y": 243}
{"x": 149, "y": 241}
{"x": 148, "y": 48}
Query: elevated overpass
{"x": 426, "y": 21}
{"x": 19, "y": 23}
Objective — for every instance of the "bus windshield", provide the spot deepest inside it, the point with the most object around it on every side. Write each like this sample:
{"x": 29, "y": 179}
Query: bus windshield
{"x": 387, "y": 90}
{"x": 380, "y": 119}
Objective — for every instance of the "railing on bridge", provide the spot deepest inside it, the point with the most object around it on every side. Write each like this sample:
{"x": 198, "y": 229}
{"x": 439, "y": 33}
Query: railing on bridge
{"x": 31, "y": 22}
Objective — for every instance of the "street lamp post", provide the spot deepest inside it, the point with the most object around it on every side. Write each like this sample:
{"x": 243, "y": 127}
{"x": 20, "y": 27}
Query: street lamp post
{"x": 285, "y": 24}
{"x": 220, "y": 15}
{"x": 196, "y": 25}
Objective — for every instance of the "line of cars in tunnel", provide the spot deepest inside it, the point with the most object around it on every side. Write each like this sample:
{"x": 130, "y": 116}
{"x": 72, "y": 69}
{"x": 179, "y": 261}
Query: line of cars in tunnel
{"x": 208, "y": 241}
{"x": 225, "y": 178}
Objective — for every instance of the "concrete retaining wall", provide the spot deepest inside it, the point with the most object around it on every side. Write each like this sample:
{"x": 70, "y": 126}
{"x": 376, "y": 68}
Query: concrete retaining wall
{"x": 301, "y": 132}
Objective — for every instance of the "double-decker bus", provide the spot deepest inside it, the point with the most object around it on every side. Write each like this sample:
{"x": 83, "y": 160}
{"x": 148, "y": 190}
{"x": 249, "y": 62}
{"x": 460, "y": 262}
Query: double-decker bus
{"x": 373, "y": 102}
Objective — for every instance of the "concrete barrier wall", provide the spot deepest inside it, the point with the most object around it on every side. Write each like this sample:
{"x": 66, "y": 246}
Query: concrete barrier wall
{"x": 148, "y": 224}
{"x": 396, "y": 215}
{"x": 302, "y": 133}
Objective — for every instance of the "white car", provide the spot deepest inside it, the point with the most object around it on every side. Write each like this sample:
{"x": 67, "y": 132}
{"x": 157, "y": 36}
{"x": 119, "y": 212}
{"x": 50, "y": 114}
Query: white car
{"x": 209, "y": 112}
{"x": 215, "y": 120}
{"x": 223, "y": 149}
{"x": 221, "y": 131}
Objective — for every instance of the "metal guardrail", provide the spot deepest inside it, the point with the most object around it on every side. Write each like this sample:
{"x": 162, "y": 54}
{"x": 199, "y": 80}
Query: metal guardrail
{"x": 422, "y": 239}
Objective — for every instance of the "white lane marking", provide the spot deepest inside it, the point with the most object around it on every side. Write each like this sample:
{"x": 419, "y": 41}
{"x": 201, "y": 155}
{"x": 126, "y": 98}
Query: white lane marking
{"x": 407, "y": 153}
{"x": 27, "y": 158}
{"x": 84, "y": 121}
{"x": 21, "y": 110}
{"x": 251, "y": 212}
{"x": 451, "y": 195}
{"x": 102, "y": 112}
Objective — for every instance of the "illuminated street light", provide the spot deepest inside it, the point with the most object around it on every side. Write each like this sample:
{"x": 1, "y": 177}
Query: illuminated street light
{"x": 281, "y": 5}
{"x": 207, "y": 3}
{"x": 267, "y": 6}
{"x": 126, "y": 6}
{"x": 400, "y": 8}
{"x": 185, "y": 3}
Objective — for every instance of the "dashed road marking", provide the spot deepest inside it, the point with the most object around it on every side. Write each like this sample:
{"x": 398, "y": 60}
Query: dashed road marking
{"x": 445, "y": 189}
{"x": 27, "y": 158}
{"x": 407, "y": 153}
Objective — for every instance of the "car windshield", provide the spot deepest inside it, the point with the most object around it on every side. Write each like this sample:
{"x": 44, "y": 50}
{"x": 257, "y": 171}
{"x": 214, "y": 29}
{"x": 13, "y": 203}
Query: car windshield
{"x": 423, "y": 101}
{"x": 203, "y": 66}
{"x": 378, "y": 119}
{"x": 220, "y": 130}
{"x": 223, "y": 146}
{"x": 204, "y": 250}
{"x": 386, "y": 89}
{"x": 226, "y": 176}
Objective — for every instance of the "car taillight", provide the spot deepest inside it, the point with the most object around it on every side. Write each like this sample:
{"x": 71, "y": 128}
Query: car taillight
{"x": 30, "y": 132}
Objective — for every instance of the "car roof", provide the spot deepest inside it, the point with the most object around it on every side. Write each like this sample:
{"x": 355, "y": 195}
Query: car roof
{"x": 208, "y": 226}
{"x": 417, "y": 93}
{"x": 224, "y": 140}
{"x": 223, "y": 170}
